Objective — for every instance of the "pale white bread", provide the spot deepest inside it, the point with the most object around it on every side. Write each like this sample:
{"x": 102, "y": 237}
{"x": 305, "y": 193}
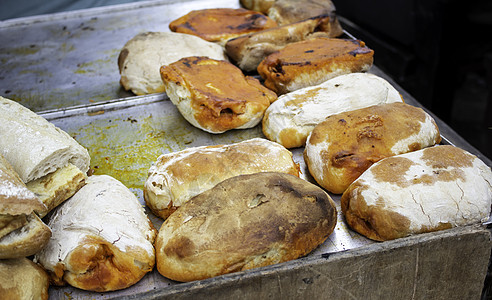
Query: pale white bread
{"x": 291, "y": 118}
{"x": 258, "y": 5}
{"x": 427, "y": 190}
{"x": 35, "y": 147}
{"x": 176, "y": 177}
{"x": 22, "y": 279}
{"x": 102, "y": 239}
{"x": 26, "y": 240}
{"x": 344, "y": 145}
{"x": 142, "y": 56}
{"x": 247, "y": 51}
{"x": 16, "y": 200}
{"x": 215, "y": 95}
{"x": 56, "y": 187}
{"x": 244, "y": 222}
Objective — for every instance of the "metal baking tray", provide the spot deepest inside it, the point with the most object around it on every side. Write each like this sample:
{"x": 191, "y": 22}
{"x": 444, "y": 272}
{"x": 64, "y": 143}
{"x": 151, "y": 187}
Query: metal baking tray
{"x": 64, "y": 66}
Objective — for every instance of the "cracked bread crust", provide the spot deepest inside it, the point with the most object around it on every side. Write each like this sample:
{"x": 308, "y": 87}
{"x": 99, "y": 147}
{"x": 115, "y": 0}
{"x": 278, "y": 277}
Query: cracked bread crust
{"x": 427, "y": 190}
{"x": 312, "y": 62}
{"x": 102, "y": 239}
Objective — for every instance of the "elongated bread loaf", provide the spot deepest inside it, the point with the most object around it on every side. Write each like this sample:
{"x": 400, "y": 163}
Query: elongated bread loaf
{"x": 102, "y": 240}
{"x": 427, "y": 190}
{"x": 343, "y": 146}
{"x": 176, "y": 177}
{"x": 23, "y": 279}
{"x": 292, "y": 117}
{"x": 33, "y": 146}
{"x": 142, "y": 56}
{"x": 244, "y": 222}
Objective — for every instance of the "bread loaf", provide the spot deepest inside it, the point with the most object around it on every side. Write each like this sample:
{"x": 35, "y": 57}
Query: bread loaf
{"x": 290, "y": 11}
{"x": 23, "y": 279}
{"x": 176, "y": 177}
{"x": 244, "y": 222}
{"x": 312, "y": 62}
{"x": 142, "y": 56}
{"x": 258, "y": 5}
{"x": 343, "y": 146}
{"x": 291, "y": 118}
{"x": 102, "y": 240}
{"x": 427, "y": 190}
{"x": 214, "y": 95}
{"x": 221, "y": 24}
{"x": 247, "y": 51}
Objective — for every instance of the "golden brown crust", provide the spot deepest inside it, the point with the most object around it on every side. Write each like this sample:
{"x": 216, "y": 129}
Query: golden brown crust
{"x": 313, "y": 61}
{"x": 221, "y": 24}
{"x": 22, "y": 279}
{"x": 221, "y": 97}
{"x": 258, "y": 5}
{"x": 356, "y": 139}
{"x": 244, "y": 222}
{"x": 291, "y": 11}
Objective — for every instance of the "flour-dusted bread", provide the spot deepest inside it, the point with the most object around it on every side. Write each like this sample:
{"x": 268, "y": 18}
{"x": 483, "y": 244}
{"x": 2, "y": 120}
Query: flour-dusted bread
{"x": 258, "y": 5}
{"x": 291, "y": 118}
{"x": 427, "y": 190}
{"x": 291, "y": 11}
{"x": 312, "y": 62}
{"x": 23, "y": 279}
{"x": 343, "y": 146}
{"x": 176, "y": 177}
{"x": 221, "y": 24}
{"x": 102, "y": 239}
{"x": 247, "y": 51}
{"x": 244, "y": 222}
{"x": 215, "y": 95}
{"x": 46, "y": 158}
{"x": 142, "y": 56}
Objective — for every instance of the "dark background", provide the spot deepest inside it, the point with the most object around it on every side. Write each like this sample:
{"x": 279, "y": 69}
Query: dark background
{"x": 440, "y": 51}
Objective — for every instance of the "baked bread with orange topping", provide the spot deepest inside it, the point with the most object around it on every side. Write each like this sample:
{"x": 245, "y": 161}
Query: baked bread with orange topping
{"x": 343, "y": 146}
{"x": 432, "y": 189}
{"x": 312, "y": 62}
{"x": 221, "y": 24}
{"x": 176, "y": 177}
{"x": 215, "y": 95}
{"x": 249, "y": 50}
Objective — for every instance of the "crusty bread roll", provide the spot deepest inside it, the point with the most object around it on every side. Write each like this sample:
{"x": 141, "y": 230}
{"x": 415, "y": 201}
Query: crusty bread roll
{"x": 244, "y": 222}
{"x": 142, "y": 56}
{"x": 291, "y": 11}
{"x": 292, "y": 117}
{"x": 427, "y": 190}
{"x": 221, "y": 24}
{"x": 247, "y": 51}
{"x": 176, "y": 177}
{"x": 23, "y": 279}
{"x": 102, "y": 240}
{"x": 343, "y": 146}
{"x": 47, "y": 159}
{"x": 258, "y": 5}
{"x": 215, "y": 95}
{"x": 33, "y": 146}
{"x": 312, "y": 62}
{"x": 26, "y": 240}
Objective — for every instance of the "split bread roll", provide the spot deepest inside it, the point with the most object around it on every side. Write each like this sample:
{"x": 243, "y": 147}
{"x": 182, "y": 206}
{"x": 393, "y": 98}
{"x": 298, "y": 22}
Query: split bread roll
{"x": 312, "y": 62}
{"x": 142, "y": 56}
{"x": 427, "y": 190}
{"x": 291, "y": 118}
{"x": 221, "y": 24}
{"x": 102, "y": 239}
{"x": 247, "y": 51}
{"x": 176, "y": 177}
{"x": 23, "y": 279}
{"x": 244, "y": 222}
{"x": 343, "y": 146}
{"x": 215, "y": 95}
{"x": 42, "y": 154}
